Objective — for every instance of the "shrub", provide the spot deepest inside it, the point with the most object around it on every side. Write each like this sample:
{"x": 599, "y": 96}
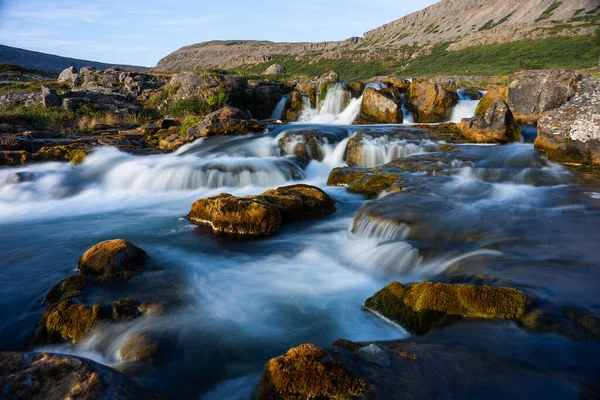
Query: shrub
{"x": 186, "y": 107}
{"x": 218, "y": 100}
{"x": 188, "y": 123}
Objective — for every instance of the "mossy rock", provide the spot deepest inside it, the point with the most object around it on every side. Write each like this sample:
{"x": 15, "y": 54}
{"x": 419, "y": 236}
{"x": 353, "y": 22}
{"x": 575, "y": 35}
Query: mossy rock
{"x": 308, "y": 372}
{"x": 61, "y": 153}
{"x": 298, "y": 202}
{"x": 494, "y": 94}
{"x": 20, "y": 157}
{"x": 430, "y": 102}
{"x": 369, "y": 183}
{"x": 137, "y": 347}
{"x": 112, "y": 259}
{"x": 225, "y": 213}
{"x": 69, "y": 321}
{"x": 125, "y": 310}
{"x": 68, "y": 288}
{"x": 425, "y": 306}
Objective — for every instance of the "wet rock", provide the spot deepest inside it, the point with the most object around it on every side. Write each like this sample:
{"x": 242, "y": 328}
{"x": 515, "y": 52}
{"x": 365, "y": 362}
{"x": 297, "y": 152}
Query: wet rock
{"x": 366, "y": 182}
{"x": 14, "y": 157}
{"x": 298, "y": 202}
{"x": 73, "y": 153}
{"x": 355, "y": 88}
{"x": 52, "y": 377}
{"x": 493, "y": 94}
{"x": 294, "y": 106}
{"x": 374, "y": 354}
{"x": 380, "y": 107}
{"x": 69, "y": 320}
{"x": 430, "y": 102}
{"x": 471, "y": 93}
{"x": 308, "y": 371}
{"x": 572, "y": 133}
{"x": 305, "y": 144}
{"x": 261, "y": 97}
{"x": 368, "y": 149}
{"x": 425, "y": 306}
{"x": 498, "y": 125}
{"x": 15, "y": 143}
{"x": 236, "y": 215}
{"x": 152, "y": 310}
{"x": 535, "y": 92}
{"x": 49, "y": 97}
{"x": 112, "y": 259}
{"x": 275, "y": 69}
{"x": 328, "y": 77}
{"x": 261, "y": 215}
{"x": 137, "y": 347}
{"x": 125, "y": 310}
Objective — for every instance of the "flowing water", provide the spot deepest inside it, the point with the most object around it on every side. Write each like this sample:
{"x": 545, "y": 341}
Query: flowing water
{"x": 503, "y": 214}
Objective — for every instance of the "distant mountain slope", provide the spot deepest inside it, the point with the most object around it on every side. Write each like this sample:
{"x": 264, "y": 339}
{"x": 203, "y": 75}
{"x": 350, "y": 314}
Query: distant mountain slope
{"x": 48, "y": 62}
{"x": 460, "y": 23}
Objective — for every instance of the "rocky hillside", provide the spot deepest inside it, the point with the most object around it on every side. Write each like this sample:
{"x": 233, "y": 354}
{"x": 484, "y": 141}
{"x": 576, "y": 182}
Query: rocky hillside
{"x": 49, "y": 62}
{"x": 461, "y": 23}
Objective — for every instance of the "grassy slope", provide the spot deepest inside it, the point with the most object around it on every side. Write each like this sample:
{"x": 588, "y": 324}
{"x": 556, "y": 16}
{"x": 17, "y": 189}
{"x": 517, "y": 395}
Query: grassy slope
{"x": 577, "y": 52}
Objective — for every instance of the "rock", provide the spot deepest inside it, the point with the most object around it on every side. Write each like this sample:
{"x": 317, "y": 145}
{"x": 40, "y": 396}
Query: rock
{"x": 166, "y": 123}
{"x": 226, "y": 121}
{"x": 366, "y": 182}
{"x": 112, "y": 259}
{"x": 294, "y": 106}
{"x": 49, "y": 97}
{"x": 310, "y": 89}
{"x": 498, "y": 125}
{"x": 328, "y": 77}
{"x": 225, "y": 213}
{"x": 261, "y": 215}
{"x": 298, "y": 202}
{"x": 380, "y": 107}
{"x": 471, "y": 94}
{"x": 261, "y": 98}
{"x": 493, "y": 94}
{"x": 308, "y": 371}
{"x": 275, "y": 69}
{"x": 125, "y": 310}
{"x": 138, "y": 347}
{"x": 430, "y": 102}
{"x": 14, "y": 157}
{"x": 425, "y": 306}
{"x": 69, "y": 320}
{"x": 572, "y": 133}
{"x": 74, "y": 154}
{"x": 305, "y": 144}
{"x": 535, "y": 92}
{"x": 15, "y": 143}
{"x": 227, "y": 112}
{"x": 54, "y": 377}
{"x": 355, "y": 88}
{"x": 69, "y": 75}
{"x": 374, "y": 354}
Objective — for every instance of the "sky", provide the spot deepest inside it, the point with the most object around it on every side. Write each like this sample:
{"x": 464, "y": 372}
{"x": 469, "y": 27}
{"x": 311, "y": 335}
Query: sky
{"x": 140, "y": 32}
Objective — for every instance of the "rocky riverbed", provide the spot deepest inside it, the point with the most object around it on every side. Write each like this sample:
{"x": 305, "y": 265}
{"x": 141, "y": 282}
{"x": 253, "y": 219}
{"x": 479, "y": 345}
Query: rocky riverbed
{"x": 304, "y": 239}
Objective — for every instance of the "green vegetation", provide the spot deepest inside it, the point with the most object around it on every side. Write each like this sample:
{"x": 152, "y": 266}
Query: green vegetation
{"x": 218, "y": 100}
{"x": 188, "y": 123}
{"x": 183, "y": 108}
{"x": 549, "y": 11}
{"x": 490, "y": 24}
{"x": 574, "y": 52}
{"x": 30, "y": 87}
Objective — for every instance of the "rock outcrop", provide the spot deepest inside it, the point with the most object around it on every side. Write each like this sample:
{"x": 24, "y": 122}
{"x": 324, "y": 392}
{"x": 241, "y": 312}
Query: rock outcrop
{"x": 261, "y": 215}
{"x": 536, "y": 92}
{"x": 572, "y": 133}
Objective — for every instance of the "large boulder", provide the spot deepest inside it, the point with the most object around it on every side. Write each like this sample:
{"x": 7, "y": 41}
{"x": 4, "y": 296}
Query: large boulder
{"x": 308, "y": 372}
{"x": 572, "y": 133}
{"x": 380, "y": 107}
{"x": 111, "y": 259}
{"x": 69, "y": 75}
{"x": 294, "y": 106}
{"x": 424, "y": 306}
{"x": 498, "y": 125}
{"x": 261, "y": 97}
{"x": 536, "y": 92}
{"x": 45, "y": 376}
{"x": 50, "y": 97}
{"x": 430, "y": 102}
{"x": 226, "y": 121}
{"x": 328, "y": 77}
{"x": 305, "y": 144}
{"x": 261, "y": 215}
{"x": 275, "y": 69}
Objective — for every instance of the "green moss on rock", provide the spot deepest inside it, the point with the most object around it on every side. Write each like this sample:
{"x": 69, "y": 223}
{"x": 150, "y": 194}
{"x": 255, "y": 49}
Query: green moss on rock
{"x": 308, "y": 372}
{"x": 112, "y": 259}
{"x": 424, "y": 306}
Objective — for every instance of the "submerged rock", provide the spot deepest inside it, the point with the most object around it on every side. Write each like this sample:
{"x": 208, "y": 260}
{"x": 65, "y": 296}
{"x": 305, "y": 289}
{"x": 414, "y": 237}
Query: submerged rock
{"x": 424, "y": 306}
{"x": 498, "y": 125}
{"x": 572, "y": 133}
{"x": 261, "y": 215}
{"x": 380, "y": 106}
{"x": 55, "y": 377}
{"x": 308, "y": 371}
{"x": 367, "y": 182}
{"x": 430, "y": 102}
{"x": 112, "y": 259}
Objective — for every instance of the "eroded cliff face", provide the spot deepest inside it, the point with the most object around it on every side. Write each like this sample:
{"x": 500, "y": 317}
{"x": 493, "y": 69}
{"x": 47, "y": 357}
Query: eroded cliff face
{"x": 464, "y": 23}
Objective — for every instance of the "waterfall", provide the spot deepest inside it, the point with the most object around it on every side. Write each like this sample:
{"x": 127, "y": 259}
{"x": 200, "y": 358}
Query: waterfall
{"x": 408, "y": 115}
{"x": 465, "y": 108}
{"x": 277, "y": 113}
{"x": 382, "y": 150}
{"x": 334, "y": 110}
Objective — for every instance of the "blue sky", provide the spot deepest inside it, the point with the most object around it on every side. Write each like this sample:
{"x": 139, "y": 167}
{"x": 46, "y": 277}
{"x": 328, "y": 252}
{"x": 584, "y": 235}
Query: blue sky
{"x": 140, "y": 32}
